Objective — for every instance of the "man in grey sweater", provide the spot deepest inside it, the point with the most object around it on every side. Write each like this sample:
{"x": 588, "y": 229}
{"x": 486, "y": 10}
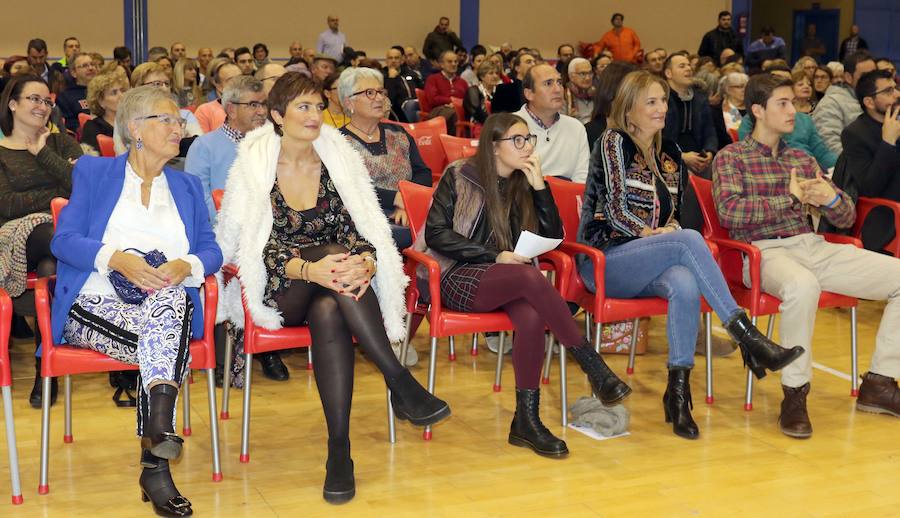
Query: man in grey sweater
{"x": 840, "y": 106}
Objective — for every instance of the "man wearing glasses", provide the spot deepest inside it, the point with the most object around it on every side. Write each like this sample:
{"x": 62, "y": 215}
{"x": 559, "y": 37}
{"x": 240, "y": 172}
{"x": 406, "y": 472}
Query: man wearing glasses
{"x": 72, "y": 100}
{"x": 870, "y": 164}
{"x": 580, "y": 91}
{"x": 561, "y": 140}
{"x": 268, "y": 74}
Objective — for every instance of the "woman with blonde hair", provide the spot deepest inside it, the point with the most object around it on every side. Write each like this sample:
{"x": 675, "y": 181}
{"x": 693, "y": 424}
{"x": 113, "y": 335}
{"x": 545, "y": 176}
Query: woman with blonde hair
{"x": 804, "y": 95}
{"x": 807, "y": 65}
{"x": 103, "y": 95}
{"x": 187, "y": 83}
{"x": 631, "y": 207}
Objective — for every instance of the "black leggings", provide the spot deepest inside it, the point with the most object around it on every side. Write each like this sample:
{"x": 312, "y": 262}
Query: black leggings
{"x": 532, "y": 303}
{"x": 334, "y": 320}
{"x": 37, "y": 251}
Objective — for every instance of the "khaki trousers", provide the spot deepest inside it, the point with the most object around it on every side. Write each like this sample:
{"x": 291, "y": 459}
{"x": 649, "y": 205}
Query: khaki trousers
{"x": 797, "y": 269}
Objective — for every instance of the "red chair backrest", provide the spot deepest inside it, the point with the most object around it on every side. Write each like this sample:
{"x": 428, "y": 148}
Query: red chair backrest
{"x": 417, "y": 201}
{"x": 458, "y": 106}
{"x": 56, "y": 206}
{"x": 427, "y": 136}
{"x": 423, "y": 103}
{"x": 730, "y": 261}
{"x": 82, "y": 120}
{"x": 107, "y": 147}
{"x": 217, "y": 195}
{"x": 568, "y": 197}
{"x": 457, "y": 147}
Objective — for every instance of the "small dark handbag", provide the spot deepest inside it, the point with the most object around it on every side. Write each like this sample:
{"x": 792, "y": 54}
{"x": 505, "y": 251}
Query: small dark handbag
{"x": 126, "y": 290}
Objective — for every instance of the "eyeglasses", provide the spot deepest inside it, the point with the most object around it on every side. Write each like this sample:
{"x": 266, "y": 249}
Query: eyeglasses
{"x": 254, "y": 105}
{"x": 583, "y": 74}
{"x": 270, "y": 78}
{"x": 890, "y": 89}
{"x": 37, "y": 99}
{"x": 371, "y": 93}
{"x": 158, "y": 84}
{"x": 165, "y": 118}
{"x": 86, "y": 65}
{"x": 520, "y": 140}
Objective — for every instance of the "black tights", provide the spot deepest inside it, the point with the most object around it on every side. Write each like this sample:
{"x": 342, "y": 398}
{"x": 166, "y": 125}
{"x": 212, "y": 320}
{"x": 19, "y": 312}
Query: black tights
{"x": 334, "y": 320}
{"x": 39, "y": 259}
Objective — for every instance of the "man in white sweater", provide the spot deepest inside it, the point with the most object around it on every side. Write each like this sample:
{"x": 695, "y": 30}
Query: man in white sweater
{"x": 562, "y": 141}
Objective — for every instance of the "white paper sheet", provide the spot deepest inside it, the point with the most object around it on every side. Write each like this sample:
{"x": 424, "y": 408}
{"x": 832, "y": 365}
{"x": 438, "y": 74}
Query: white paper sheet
{"x": 590, "y": 432}
{"x": 531, "y": 245}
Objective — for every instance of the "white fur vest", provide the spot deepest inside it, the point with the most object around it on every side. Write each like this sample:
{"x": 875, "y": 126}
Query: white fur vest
{"x": 245, "y": 223}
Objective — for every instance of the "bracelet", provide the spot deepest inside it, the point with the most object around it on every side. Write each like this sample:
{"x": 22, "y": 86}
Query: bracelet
{"x": 304, "y": 271}
{"x": 832, "y": 203}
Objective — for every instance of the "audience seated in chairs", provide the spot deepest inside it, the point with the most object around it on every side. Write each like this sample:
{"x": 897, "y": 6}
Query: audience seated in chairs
{"x": 72, "y": 100}
{"x": 475, "y": 103}
{"x": 632, "y": 202}
{"x": 441, "y": 87}
{"x": 186, "y": 83}
{"x": 103, "y": 95}
{"x": 388, "y": 151}
{"x": 35, "y": 167}
{"x": 211, "y": 115}
{"x": 608, "y": 83}
{"x": 401, "y": 85}
{"x": 762, "y": 190}
{"x": 840, "y": 106}
{"x": 106, "y": 291}
{"x": 480, "y": 207}
{"x": 728, "y": 116}
{"x": 313, "y": 240}
{"x": 579, "y": 92}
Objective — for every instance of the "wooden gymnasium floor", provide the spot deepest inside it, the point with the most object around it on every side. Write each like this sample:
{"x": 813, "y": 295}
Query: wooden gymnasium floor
{"x": 741, "y": 465}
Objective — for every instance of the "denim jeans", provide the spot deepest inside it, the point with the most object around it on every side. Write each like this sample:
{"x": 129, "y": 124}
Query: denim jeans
{"x": 676, "y": 266}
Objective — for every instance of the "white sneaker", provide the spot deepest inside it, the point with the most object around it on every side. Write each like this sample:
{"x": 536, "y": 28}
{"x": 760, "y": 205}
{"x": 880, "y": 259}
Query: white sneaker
{"x": 412, "y": 357}
{"x": 493, "y": 343}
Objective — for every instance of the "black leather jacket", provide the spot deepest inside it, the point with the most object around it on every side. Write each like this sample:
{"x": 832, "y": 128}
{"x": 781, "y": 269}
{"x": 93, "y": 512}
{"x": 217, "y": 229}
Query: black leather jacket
{"x": 475, "y": 243}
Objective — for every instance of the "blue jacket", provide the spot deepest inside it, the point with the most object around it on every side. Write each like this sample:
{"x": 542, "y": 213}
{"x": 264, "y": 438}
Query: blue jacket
{"x": 210, "y": 159}
{"x": 805, "y": 137}
{"x": 96, "y": 187}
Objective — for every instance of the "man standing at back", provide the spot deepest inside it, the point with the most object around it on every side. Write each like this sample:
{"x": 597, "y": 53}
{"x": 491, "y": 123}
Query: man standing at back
{"x": 721, "y": 38}
{"x": 562, "y": 141}
{"x": 332, "y": 41}
{"x": 622, "y": 41}
{"x": 440, "y": 40}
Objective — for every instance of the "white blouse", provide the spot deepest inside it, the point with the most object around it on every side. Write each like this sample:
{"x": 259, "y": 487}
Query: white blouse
{"x": 131, "y": 225}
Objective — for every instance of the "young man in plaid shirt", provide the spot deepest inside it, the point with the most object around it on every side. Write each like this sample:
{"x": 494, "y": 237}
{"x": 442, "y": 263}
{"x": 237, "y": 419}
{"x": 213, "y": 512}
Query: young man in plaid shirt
{"x": 763, "y": 191}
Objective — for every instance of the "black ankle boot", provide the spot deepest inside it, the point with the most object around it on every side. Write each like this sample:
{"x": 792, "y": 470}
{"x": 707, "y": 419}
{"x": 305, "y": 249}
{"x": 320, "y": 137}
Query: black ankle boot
{"x": 528, "y": 431}
{"x": 604, "y": 381}
{"x": 412, "y": 402}
{"x": 759, "y": 352}
{"x": 158, "y": 488}
{"x": 340, "y": 486}
{"x": 677, "y": 403}
{"x": 159, "y": 436}
{"x": 36, "y": 397}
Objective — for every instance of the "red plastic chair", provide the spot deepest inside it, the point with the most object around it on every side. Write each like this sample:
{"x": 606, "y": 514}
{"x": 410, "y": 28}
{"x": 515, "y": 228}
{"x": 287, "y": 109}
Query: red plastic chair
{"x": 82, "y": 120}
{"x": 757, "y": 302}
{"x": 424, "y": 107}
{"x": 463, "y": 126}
{"x": 599, "y": 307}
{"x": 63, "y": 360}
{"x": 217, "y": 196}
{"x": 444, "y": 322}
{"x": 6, "y": 311}
{"x": 427, "y": 136}
{"x": 865, "y": 205}
{"x": 456, "y": 148}
{"x": 107, "y": 146}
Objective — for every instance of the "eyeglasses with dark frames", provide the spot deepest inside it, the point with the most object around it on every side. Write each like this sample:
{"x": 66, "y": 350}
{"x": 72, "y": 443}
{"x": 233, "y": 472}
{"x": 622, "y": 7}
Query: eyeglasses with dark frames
{"x": 254, "y": 105}
{"x": 37, "y": 99}
{"x": 520, "y": 140}
{"x": 371, "y": 93}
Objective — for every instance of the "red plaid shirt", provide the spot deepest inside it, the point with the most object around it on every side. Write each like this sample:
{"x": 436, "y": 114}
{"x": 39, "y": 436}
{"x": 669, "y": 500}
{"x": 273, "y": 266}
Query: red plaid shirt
{"x": 752, "y": 195}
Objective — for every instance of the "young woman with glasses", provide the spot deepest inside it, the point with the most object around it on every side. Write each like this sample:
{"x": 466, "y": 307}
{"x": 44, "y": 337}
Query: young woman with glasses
{"x": 480, "y": 207}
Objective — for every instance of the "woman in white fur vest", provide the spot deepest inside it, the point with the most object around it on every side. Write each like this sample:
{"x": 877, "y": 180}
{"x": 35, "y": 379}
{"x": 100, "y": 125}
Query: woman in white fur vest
{"x": 301, "y": 220}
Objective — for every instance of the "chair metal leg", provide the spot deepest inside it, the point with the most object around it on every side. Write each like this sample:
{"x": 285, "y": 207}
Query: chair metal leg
{"x": 226, "y": 376}
{"x": 404, "y": 350}
{"x": 213, "y": 425}
{"x": 707, "y": 317}
{"x": 392, "y": 430}
{"x": 432, "y": 364}
{"x": 451, "y": 354}
{"x": 633, "y": 349}
{"x": 186, "y": 406}
{"x": 587, "y": 325}
{"x": 500, "y": 355}
{"x": 748, "y": 396}
{"x": 770, "y": 330}
{"x": 563, "y": 387}
{"x": 11, "y": 447}
{"x": 309, "y": 358}
{"x": 474, "y": 350}
{"x": 854, "y": 367}
{"x": 67, "y": 435}
{"x": 598, "y": 336}
{"x": 245, "y": 417}
{"x": 545, "y": 373}
{"x": 44, "y": 484}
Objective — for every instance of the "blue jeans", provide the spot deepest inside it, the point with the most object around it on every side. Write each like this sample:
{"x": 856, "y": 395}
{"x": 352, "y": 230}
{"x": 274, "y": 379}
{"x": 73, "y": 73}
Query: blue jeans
{"x": 676, "y": 266}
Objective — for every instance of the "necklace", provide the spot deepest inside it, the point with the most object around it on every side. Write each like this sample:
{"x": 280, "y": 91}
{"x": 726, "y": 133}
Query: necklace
{"x": 370, "y": 135}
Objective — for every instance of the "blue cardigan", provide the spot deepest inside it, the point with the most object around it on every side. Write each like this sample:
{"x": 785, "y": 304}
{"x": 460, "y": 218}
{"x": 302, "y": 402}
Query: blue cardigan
{"x": 96, "y": 187}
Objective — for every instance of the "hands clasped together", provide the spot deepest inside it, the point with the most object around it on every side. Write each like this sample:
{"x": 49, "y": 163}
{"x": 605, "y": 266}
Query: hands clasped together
{"x": 146, "y": 277}
{"x": 348, "y": 274}
{"x": 816, "y": 191}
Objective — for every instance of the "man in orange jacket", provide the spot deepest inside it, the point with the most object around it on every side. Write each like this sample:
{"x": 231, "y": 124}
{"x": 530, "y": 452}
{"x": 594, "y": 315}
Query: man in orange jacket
{"x": 622, "y": 41}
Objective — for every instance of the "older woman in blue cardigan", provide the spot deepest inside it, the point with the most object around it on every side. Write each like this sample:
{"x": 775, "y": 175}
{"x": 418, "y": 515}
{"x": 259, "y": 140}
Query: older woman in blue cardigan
{"x": 121, "y": 209}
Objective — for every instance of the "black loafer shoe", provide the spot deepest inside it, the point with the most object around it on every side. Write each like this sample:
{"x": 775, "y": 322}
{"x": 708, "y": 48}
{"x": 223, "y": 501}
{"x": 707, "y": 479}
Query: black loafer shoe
{"x": 272, "y": 367}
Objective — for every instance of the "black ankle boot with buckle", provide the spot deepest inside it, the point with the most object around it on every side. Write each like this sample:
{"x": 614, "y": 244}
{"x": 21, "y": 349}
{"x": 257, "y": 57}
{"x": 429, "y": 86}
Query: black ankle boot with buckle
{"x": 159, "y": 435}
{"x": 759, "y": 352}
{"x": 608, "y": 387}
{"x": 677, "y": 403}
{"x": 158, "y": 488}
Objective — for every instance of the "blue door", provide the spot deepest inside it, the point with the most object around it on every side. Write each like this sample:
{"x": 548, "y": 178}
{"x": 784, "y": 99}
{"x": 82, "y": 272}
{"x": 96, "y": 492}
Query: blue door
{"x": 827, "y": 23}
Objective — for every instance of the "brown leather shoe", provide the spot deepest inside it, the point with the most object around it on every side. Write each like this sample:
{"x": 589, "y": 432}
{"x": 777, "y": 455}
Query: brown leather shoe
{"x": 879, "y": 394}
{"x": 794, "y": 420}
